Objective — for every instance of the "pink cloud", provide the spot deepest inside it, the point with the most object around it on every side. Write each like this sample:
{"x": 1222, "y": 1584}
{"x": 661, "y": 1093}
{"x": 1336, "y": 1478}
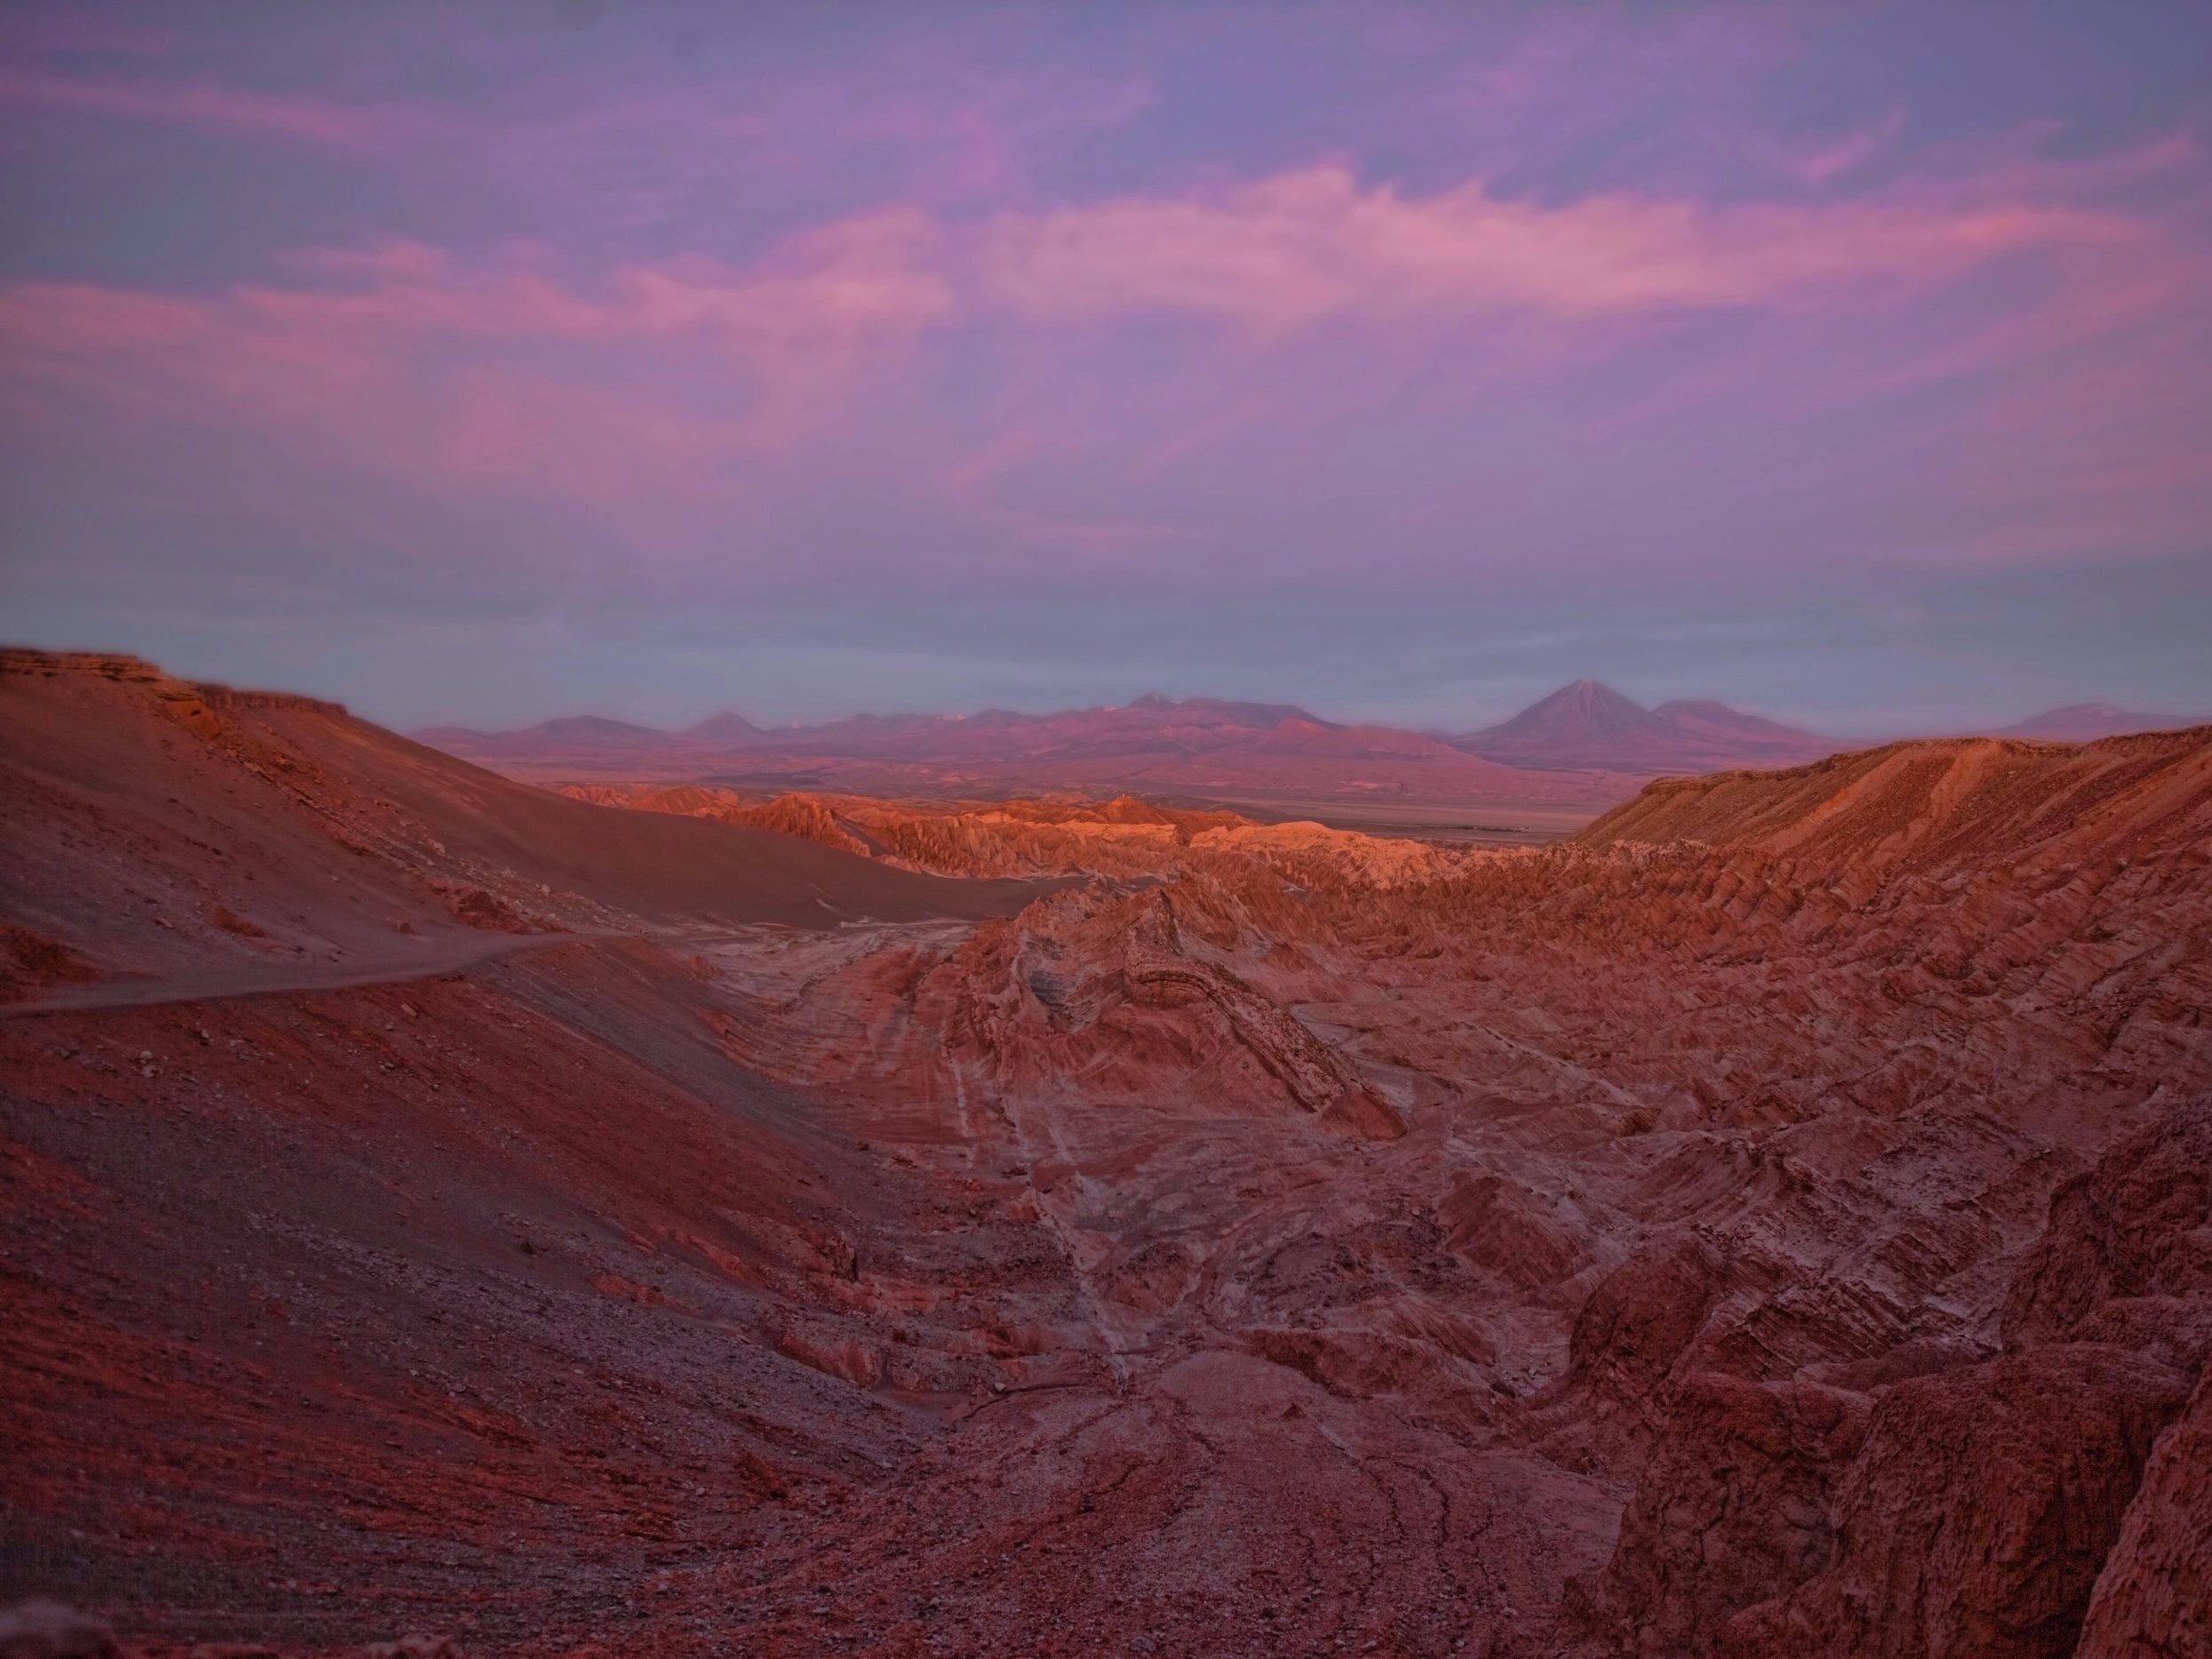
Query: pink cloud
{"x": 665, "y": 396}
{"x": 206, "y": 104}
{"x": 1847, "y": 153}
{"x": 852, "y": 278}
{"x": 1302, "y": 246}
{"x": 669, "y": 384}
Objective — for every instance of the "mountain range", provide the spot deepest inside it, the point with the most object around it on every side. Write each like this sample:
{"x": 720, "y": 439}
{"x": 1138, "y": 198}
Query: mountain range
{"x": 1193, "y": 745}
{"x": 2085, "y": 722}
{"x": 1584, "y": 746}
{"x": 1588, "y": 724}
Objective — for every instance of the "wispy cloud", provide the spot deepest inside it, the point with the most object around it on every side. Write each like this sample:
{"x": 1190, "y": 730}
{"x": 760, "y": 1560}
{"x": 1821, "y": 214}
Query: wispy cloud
{"x": 1302, "y": 246}
{"x": 628, "y": 392}
{"x": 210, "y": 104}
{"x": 701, "y": 301}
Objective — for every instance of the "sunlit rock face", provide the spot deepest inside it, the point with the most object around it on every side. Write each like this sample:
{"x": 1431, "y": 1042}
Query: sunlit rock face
{"x": 1774, "y": 1221}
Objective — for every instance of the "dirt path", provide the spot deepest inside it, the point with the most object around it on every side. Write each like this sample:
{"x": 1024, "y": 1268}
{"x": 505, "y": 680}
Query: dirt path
{"x": 428, "y": 959}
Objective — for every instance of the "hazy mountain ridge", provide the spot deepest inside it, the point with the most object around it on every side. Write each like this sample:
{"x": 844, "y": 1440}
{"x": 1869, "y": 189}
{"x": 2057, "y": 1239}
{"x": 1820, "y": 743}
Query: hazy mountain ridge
{"x": 1585, "y": 744}
{"x": 1590, "y": 724}
{"x": 1193, "y": 745}
{"x": 1585, "y": 727}
{"x": 2085, "y": 722}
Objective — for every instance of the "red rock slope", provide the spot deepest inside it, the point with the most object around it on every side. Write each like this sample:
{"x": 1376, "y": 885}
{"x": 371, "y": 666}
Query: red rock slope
{"x": 1944, "y": 804}
{"x": 162, "y": 827}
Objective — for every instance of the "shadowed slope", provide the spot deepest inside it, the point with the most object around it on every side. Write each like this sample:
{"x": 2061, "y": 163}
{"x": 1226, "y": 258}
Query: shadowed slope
{"x": 156, "y": 827}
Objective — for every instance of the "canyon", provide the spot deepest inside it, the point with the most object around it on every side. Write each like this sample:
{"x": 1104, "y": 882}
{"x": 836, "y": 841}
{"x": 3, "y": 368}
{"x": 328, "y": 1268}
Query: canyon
{"x": 678, "y": 1218}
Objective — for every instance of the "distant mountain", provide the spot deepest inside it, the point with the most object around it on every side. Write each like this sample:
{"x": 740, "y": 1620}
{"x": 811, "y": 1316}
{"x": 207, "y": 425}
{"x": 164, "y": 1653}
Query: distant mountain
{"x": 1576, "y": 717}
{"x": 1703, "y": 717}
{"x": 1191, "y": 725}
{"x": 2084, "y": 723}
{"x": 1588, "y": 725}
{"x": 577, "y": 734}
{"x": 1192, "y": 746}
{"x": 1583, "y": 742}
{"x": 727, "y": 727}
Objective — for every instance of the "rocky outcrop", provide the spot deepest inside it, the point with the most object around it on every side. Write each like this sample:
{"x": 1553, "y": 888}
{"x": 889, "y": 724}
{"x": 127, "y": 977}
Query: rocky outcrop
{"x": 2153, "y": 1599}
{"x": 1123, "y": 836}
{"x": 1966, "y": 1510}
{"x": 23, "y": 660}
{"x": 2127, "y": 1257}
{"x": 1975, "y": 1518}
{"x": 1735, "y": 1502}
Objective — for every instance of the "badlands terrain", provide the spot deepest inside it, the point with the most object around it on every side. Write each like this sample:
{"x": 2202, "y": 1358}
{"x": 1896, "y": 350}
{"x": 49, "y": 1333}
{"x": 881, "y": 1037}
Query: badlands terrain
{"x": 1778, "y": 1219}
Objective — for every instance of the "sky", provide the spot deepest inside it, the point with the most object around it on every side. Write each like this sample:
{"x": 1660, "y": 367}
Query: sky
{"x": 494, "y": 362}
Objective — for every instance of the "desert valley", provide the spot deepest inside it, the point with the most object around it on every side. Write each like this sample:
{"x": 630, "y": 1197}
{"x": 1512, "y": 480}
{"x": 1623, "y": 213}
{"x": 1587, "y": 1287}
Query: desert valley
{"x": 440, "y": 1209}
{"x": 1039, "y": 831}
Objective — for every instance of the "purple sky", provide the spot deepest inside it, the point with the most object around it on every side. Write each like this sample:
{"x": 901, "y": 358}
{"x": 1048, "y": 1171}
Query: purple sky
{"x": 498, "y": 361}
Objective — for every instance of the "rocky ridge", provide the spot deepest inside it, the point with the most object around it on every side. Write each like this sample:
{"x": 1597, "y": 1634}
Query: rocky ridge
{"x": 1122, "y": 836}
